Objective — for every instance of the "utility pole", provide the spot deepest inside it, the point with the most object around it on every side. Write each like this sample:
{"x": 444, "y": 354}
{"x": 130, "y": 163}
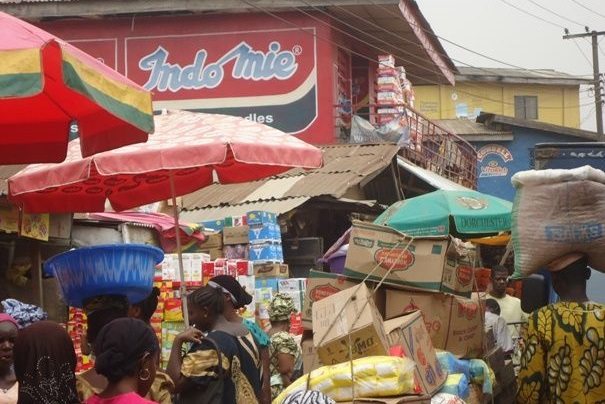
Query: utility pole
{"x": 597, "y": 79}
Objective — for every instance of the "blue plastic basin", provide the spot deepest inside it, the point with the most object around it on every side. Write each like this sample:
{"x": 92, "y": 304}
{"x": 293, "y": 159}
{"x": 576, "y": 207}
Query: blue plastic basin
{"x": 119, "y": 269}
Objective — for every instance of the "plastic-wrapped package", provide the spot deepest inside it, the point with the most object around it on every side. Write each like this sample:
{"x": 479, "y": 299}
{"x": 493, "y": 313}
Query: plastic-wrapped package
{"x": 446, "y": 398}
{"x": 374, "y": 376}
{"x": 456, "y": 384}
{"x": 394, "y": 131}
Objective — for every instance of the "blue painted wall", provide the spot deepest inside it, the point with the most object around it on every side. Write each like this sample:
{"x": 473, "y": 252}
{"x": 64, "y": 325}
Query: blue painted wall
{"x": 499, "y": 161}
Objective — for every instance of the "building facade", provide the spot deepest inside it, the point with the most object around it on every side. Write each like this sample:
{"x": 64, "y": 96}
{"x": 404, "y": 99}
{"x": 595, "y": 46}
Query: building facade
{"x": 541, "y": 95}
{"x": 301, "y": 69}
{"x": 505, "y": 146}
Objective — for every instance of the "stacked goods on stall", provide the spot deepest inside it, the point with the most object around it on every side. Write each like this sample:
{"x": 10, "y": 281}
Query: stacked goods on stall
{"x": 235, "y": 238}
{"x": 347, "y": 325}
{"x": 389, "y": 93}
{"x": 76, "y": 328}
{"x": 264, "y": 236}
{"x": 169, "y": 313}
{"x": 423, "y": 286}
{"x": 434, "y": 264}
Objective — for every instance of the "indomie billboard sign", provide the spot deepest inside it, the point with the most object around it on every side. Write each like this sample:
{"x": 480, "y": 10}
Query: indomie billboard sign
{"x": 267, "y": 76}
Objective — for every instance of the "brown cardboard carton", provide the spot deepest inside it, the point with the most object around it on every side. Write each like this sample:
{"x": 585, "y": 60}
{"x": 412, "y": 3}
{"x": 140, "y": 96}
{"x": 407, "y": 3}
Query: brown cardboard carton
{"x": 410, "y": 333}
{"x": 309, "y": 356}
{"x": 235, "y": 235}
{"x": 271, "y": 270}
{"x": 347, "y": 325}
{"x": 212, "y": 241}
{"x": 436, "y": 264}
{"x": 454, "y": 323}
{"x": 214, "y": 253}
{"x": 319, "y": 286}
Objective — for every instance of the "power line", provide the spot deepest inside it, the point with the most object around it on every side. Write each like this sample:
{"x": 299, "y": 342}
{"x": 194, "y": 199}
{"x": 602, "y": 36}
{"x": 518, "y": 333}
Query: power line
{"x": 452, "y": 42}
{"x": 582, "y": 52}
{"x": 385, "y": 42}
{"x": 556, "y": 14}
{"x": 588, "y": 115}
{"x": 531, "y": 14}
{"x": 586, "y": 8}
{"x": 272, "y": 14}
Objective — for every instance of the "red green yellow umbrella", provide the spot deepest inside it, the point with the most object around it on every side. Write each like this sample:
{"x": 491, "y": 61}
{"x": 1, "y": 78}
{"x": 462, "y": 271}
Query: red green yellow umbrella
{"x": 49, "y": 87}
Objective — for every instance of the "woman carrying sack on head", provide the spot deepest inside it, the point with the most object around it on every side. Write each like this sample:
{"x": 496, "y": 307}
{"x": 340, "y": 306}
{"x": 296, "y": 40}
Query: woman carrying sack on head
{"x": 218, "y": 368}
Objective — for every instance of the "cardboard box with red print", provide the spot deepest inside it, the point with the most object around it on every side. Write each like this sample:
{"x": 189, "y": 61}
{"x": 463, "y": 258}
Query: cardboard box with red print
{"x": 435, "y": 264}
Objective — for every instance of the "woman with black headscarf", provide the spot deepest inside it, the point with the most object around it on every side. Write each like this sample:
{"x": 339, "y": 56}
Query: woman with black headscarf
{"x": 236, "y": 298}
{"x": 127, "y": 351}
{"x": 45, "y": 363}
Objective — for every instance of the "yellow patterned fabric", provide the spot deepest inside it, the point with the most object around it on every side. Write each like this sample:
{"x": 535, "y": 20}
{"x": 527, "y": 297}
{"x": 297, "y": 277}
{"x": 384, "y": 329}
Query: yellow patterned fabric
{"x": 202, "y": 363}
{"x": 564, "y": 356}
{"x": 244, "y": 393}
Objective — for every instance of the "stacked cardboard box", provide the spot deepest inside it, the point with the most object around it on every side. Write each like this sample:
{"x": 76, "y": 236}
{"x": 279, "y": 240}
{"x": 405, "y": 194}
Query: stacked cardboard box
{"x": 435, "y": 264}
{"x": 264, "y": 236}
{"x": 192, "y": 268}
{"x": 389, "y": 94}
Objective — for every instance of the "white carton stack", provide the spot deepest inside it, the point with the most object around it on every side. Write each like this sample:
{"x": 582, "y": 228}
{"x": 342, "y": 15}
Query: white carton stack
{"x": 389, "y": 93}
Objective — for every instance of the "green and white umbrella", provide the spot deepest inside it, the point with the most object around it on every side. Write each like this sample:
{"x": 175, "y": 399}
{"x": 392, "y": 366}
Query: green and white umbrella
{"x": 440, "y": 213}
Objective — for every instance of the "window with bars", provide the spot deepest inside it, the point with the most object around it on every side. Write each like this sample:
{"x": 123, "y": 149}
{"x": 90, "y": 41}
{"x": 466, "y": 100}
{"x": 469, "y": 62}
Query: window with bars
{"x": 526, "y": 107}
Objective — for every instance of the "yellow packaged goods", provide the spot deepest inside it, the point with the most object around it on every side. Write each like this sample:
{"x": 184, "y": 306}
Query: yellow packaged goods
{"x": 373, "y": 376}
{"x": 454, "y": 323}
{"x": 409, "y": 334}
{"x": 347, "y": 325}
{"x": 435, "y": 264}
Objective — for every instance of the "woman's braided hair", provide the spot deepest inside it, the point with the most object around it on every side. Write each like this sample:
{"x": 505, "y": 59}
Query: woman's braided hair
{"x": 209, "y": 297}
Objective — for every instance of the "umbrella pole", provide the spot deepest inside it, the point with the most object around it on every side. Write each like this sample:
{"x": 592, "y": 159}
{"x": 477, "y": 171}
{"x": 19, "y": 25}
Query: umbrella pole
{"x": 175, "y": 213}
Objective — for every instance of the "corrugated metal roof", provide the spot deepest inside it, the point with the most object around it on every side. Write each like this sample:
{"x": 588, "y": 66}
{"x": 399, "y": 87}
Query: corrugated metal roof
{"x": 345, "y": 166}
{"x": 5, "y": 173}
{"x": 489, "y": 119}
{"x": 277, "y": 206}
{"x": 464, "y": 127}
{"x": 508, "y": 75}
{"x": 433, "y": 179}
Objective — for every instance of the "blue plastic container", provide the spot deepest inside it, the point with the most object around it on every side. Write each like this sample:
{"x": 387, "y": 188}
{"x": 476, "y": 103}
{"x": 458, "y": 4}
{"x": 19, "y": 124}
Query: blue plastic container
{"x": 119, "y": 269}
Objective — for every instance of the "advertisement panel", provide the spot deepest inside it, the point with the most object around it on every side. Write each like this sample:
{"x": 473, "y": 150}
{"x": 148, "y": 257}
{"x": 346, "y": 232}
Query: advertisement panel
{"x": 249, "y": 65}
{"x": 268, "y": 76}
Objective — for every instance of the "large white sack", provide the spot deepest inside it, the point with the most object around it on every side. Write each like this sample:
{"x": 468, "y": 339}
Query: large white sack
{"x": 557, "y": 212}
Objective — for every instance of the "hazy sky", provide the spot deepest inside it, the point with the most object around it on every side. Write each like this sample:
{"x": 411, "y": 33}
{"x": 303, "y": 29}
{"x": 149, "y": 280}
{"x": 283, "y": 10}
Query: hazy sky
{"x": 493, "y": 28}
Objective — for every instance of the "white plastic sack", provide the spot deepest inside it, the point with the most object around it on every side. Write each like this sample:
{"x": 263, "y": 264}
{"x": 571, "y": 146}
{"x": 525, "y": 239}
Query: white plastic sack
{"x": 556, "y": 212}
{"x": 375, "y": 376}
{"x": 395, "y": 131}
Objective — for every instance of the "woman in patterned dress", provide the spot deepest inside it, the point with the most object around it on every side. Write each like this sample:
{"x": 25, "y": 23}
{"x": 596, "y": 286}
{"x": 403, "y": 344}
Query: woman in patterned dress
{"x": 199, "y": 376}
{"x": 564, "y": 357}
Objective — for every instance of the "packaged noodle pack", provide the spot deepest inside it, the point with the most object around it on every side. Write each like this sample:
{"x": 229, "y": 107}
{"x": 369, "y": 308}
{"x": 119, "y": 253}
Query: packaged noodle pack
{"x": 374, "y": 376}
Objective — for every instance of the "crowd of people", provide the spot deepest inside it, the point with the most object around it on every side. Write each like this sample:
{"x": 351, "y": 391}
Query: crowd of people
{"x": 221, "y": 358}
{"x": 224, "y": 358}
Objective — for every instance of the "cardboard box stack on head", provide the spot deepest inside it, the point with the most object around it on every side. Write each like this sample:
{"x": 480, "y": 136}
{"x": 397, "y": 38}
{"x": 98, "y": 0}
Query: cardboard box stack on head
{"x": 424, "y": 294}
